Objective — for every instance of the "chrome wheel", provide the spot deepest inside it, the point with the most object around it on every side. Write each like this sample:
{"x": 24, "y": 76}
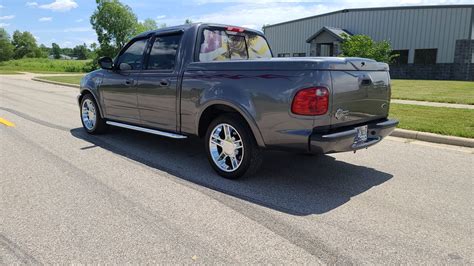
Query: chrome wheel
{"x": 89, "y": 114}
{"x": 226, "y": 147}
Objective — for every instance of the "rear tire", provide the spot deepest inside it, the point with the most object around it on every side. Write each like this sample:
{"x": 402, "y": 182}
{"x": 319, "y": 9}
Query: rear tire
{"x": 231, "y": 147}
{"x": 91, "y": 120}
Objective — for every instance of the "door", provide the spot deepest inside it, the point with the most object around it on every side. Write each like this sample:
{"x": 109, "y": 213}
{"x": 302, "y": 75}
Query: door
{"x": 118, "y": 87}
{"x": 325, "y": 49}
{"x": 158, "y": 84}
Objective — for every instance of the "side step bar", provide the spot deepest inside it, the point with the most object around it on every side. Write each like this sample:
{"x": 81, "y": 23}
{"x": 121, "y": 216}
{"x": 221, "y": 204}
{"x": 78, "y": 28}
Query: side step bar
{"x": 147, "y": 130}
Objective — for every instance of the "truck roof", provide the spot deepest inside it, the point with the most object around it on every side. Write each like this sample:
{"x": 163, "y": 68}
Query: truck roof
{"x": 193, "y": 25}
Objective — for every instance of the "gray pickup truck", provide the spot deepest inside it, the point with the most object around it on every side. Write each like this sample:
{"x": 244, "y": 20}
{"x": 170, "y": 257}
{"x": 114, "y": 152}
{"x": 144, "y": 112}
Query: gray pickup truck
{"x": 222, "y": 84}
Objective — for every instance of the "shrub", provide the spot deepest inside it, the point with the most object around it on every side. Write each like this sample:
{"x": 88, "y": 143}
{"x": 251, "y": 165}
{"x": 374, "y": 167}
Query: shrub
{"x": 45, "y": 65}
{"x": 364, "y": 46}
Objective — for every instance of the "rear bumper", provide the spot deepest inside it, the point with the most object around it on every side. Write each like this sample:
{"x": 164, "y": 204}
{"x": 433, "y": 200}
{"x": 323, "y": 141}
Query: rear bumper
{"x": 341, "y": 141}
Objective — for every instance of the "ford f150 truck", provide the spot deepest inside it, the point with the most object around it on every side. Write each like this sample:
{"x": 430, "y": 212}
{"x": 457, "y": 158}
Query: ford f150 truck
{"x": 222, "y": 84}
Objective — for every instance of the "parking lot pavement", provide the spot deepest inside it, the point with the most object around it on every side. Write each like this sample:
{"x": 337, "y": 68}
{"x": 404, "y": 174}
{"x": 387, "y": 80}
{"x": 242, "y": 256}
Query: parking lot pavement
{"x": 68, "y": 197}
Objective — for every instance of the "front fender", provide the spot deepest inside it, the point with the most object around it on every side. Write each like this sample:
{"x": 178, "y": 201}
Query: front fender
{"x": 90, "y": 84}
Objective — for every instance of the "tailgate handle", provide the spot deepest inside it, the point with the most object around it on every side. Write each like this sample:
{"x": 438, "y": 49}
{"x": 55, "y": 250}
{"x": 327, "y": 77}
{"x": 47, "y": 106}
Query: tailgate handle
{"x": 366, "y": 81}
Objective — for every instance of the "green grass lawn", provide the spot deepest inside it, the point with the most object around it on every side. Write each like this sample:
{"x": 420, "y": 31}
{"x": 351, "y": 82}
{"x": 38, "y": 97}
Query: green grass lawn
{"x": 64, "y": 79}
{"x": 444, "y": 91}
{"x": 44, "y": 65}
{"x": 440, "y": 120}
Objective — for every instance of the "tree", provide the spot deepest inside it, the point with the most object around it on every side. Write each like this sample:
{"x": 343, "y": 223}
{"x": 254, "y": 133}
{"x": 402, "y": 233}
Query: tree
{"x": 45, "y": 50}
{"x": 67, "y": 51}
{"x": 115, "y": 24}
{"x": 25, "y": 45}
{"x": 93, "y": 51}
{"x": 81, "y": 52}
{"x": 93, "y": 46}
{"x": 188, "y": 21}
{"x": 56, "y": 51}
{"x": 147, "y": 25}
{"x": 6, "y": 47}
{"x": 364, "y": 46}
{"x": 40, "y": 52}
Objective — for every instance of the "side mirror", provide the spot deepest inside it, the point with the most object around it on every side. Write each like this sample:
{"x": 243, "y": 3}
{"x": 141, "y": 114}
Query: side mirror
{"x": 125, "y": 67}
{"x": 106, "y": 63}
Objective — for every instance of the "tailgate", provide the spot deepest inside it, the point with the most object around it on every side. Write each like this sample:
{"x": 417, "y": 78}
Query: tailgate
{"x": 359, "y": 96}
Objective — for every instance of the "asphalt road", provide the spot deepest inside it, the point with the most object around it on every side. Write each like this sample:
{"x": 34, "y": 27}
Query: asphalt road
{"x": 67, "y": 197}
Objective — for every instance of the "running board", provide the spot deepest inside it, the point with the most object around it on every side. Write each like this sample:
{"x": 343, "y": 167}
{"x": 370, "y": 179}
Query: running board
{"x": 147, "y": 130}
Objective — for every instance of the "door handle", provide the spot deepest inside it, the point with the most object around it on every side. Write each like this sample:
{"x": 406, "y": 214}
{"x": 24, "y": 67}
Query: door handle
{"x": 164, "y": 83}
{"x": 129, "y": 82}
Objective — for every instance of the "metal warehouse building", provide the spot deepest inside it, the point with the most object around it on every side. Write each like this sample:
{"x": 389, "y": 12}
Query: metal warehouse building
{"x": 434, "y": 42}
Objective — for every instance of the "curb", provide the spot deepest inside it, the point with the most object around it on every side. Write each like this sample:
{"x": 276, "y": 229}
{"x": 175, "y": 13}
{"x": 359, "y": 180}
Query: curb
{"x": 56, "y": 83}
{"x": 430, "y": 137}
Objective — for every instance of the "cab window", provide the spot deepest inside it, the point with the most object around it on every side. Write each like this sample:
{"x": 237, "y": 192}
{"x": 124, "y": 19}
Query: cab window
{"x": 224, "y": 45}
{"x": 163, "y": 53}
{"x": 258, "y": 47}
{"x": 133, "y": 55}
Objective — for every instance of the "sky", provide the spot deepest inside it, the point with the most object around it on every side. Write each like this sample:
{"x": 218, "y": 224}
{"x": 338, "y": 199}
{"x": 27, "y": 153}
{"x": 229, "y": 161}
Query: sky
{"x": 66, "y": 22}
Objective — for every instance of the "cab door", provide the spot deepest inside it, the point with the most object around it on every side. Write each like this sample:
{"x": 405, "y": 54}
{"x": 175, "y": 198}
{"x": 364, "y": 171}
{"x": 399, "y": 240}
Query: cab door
{"x": 158, "y": 83}
{"x": 119, "y": 86}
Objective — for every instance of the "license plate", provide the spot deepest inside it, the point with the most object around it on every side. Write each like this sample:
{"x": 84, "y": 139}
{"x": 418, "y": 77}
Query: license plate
{"x": 361, "y": 134}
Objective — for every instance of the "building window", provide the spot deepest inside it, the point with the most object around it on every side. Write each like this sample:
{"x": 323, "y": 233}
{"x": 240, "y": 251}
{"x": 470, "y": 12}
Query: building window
{"x": 299, "y": 54}
{"x": 425, "y": 56}
{"x": 402, "y": 58}
{"x": 284, "y": 55}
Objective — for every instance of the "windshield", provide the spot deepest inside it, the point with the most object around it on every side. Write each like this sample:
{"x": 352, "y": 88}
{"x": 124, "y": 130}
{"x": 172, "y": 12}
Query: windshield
{"x": 221, "y": 45}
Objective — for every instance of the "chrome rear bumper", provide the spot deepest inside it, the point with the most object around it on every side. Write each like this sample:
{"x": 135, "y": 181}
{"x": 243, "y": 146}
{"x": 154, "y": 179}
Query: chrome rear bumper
{"x": 341, "y": 141}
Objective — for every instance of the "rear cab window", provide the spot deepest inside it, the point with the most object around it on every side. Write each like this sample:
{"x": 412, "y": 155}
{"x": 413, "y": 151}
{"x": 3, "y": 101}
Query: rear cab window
{"x": 163, "y": 53}
{"x": 224, "y": 44}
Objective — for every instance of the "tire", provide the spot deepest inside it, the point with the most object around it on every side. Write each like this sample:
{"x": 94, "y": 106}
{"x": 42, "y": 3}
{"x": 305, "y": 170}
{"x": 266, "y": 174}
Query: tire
{"x": 235, "y": 156}
{"x": 91, "y": 120}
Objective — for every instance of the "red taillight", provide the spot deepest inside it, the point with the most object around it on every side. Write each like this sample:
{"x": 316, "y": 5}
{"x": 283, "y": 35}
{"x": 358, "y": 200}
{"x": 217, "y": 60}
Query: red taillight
{"x": 235, "y": 29}
{"x": 311, "y": 101}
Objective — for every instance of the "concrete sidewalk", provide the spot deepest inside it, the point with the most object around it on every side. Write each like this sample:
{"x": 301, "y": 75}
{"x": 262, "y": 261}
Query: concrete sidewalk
{"x": 434, "y": 104}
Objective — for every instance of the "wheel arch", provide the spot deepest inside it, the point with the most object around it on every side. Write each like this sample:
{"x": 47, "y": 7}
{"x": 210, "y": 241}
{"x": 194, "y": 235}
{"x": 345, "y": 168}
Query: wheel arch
{"x": 86, "y": 91}
{"x": 213, "y": 109}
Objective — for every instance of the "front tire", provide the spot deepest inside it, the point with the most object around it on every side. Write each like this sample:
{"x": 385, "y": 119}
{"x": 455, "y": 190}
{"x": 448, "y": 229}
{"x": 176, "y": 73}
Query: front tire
{"x": 91, "y": 120}
{"x": 231, "y": 147}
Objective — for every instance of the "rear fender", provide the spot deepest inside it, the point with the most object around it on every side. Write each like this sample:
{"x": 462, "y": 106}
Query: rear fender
{"x": 243, "y": 111}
